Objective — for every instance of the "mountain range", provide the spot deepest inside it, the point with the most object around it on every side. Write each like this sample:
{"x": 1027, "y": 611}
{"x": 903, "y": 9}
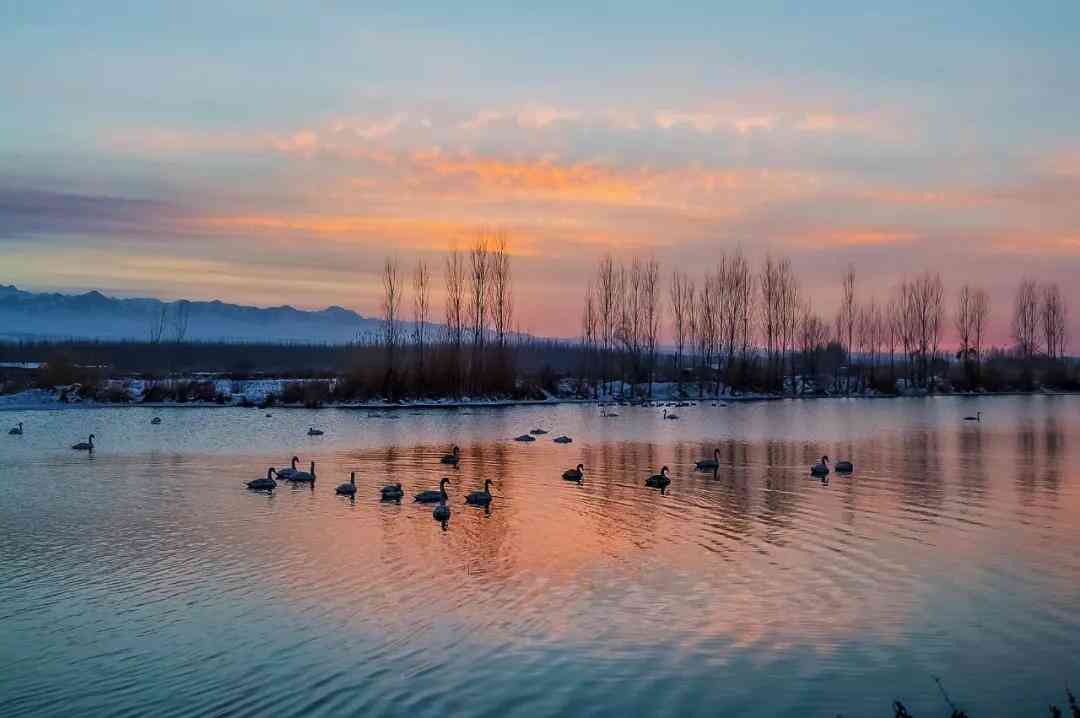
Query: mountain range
{"x": 92, "y": 315}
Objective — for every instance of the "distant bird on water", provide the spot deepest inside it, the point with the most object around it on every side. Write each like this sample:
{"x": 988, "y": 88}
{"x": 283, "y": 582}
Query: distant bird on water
{"x": 156, "y": 420}
{"x": 304, "y": 477}
{"x": 821, "y": 468}
{"x": 660, "y": 480}
{"x": 670, "y": 416}
{"x": 392, "y": 492}
{"x": 349, "y": 488}
{"x": 314, "y": 432}
{"x": 480, "y": 498}
{"x": 430, "y": 497}
{"x": 453, "y": 457}
{"x": 84, "y": 445}
{"x": 712, "y": 463}
{"x": 844, "y": 467}
{"x": 977, "y": 417}
{"x": 562, "y": 440}
{"x": 575, "y": 474}
{"x": 17, "y": 430}
{"x": 288, "y": 473}
{"x": 525, "y": 437}
{"x": 267, "y": 484}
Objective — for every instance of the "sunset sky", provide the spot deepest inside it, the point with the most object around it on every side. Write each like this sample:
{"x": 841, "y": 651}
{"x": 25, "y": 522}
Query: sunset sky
{"x": 272, "y": 153}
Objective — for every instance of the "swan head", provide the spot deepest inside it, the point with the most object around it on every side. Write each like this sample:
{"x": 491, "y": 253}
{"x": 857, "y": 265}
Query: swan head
{"x": 581, "y": 468}
{"x": 664, "y": 471}
{"x": 487, "y": 485}
{"x": 270, "y": 472}
{"x": 443, "y": 482}
{"x": 824, "y": 459}
{"x": 92, "y": 437}
{"x": 295, "y": 461}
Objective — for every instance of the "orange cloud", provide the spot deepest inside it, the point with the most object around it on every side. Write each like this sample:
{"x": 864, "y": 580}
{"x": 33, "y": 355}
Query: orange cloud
{"x": 852, "y": 237}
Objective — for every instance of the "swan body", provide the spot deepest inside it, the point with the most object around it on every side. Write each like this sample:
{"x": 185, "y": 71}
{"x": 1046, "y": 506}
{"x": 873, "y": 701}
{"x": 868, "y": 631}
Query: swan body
{"x": 430, "y": 497}
{"x": 304, "y": 477}
{"x": 977, "y": 417}
{"x": 538, "y": 432}
{"x": 844, "y": 467}
{"x": 525, "y": 437}
{"x": 288, "y": 473}
{"x": 349, "y": 488}
{"x": 713, "y": 463}
{"x": 314, "y": 432}
{"x": 441, "y": 512}
{"x": 480, "y": 498}
{"x": 575, "y": 474}
{"x": 17, "y": 430}
{"x": 453, "y": 457}
{"x": 660, "y": 480}
{"x": 670, "y": 416}
{"x": 156, "y": 420}
{"x": 84, "y": 445}
{"x": 821, "y": 468}
{"x": 563, "y": 440}
{"x": 392, "y": 492}
{"x": 267, "y": 484}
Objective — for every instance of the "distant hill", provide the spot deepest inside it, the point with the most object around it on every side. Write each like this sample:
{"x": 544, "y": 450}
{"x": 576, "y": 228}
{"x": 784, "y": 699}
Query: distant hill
{"x": 28, "y": 315}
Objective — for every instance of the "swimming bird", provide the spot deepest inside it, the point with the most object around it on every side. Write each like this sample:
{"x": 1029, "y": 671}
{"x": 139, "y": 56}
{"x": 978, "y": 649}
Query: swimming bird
{"x": 287, "y": 474}
{"x": 712, "y": 463}
{"x": 576, "y": 474}
{"x": 525, "y": 437}
{"x": 844, "y": 467}
{"x": 563, "y": 440}
{"x": 348, "y": 489}
{"x": 453, "y": 457}
{"x": 392, "y": 492}
{"x": 670, "y": 416}
{"x": 304, "y": 477}
{"x": 480, "y": 498}
{"x": 441, "y": 512}
{"x": 660, "y": 480}
{"x": 538, "y": 432}
{"x": 156, "y": 420}
{"x": 314, "y": 432}
{"x": 16, "y": 431}
{"x": 977, "y": 417}
{"x": 267, "y": 484}
{"x": 430, "y": 497}
{"x": 84, "y": 445}
{"x": 821, "y": 468}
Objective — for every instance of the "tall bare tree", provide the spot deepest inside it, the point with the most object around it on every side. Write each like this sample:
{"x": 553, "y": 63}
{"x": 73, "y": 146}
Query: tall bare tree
{"x": 181, "y": 318}
{"x": 1052, "y": 317}
{"x": 970, "y": 314}
{"x": 454, "y": 278}
{"x": 421, "y": 283}
{"x": 589, "y": 334}
{"x": 846, "y": 319}
{"x": 682, "y": 293}
{"x": 391, "y": 308}
{"x": 607, "y": 308}
{"x": 652, "y": 311}
{"x": 980, "y": 314}
{"x": 1025, "y": 326}
{"x": 501, "y": 289}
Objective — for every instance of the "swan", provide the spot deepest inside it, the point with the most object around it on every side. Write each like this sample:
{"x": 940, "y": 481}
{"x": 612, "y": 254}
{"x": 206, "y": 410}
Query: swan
{"x": 525, "y": 437}
{"x": 304, "y": 476}
{"x": 670, "y": 416}
{"x": 538, "y": 432}
{"x": 575, "y": 474}
{"x": 821, "y": 468}
{"x": 348, "y": 489}
{"x": 712, "y": 463}
{"x": 266, "y": 484}
{"x": 84, "y": 445}
{"x": 314, "y": 432}
{"x": 441, "y": 512}
{"x": 16, "y": 431}
{"x": 844, "y": 467}
{"x": 563, "y": 440}
{"x": 156, "y": 420}
{"x": 288, "y": 473}
{"x": 453, "y": 457}
{"x": 977, "y": 417}
{"x": 430, "y": 497}
{"x": 659, "y": 480}
{"x": 392, "y": 492}
{"x": 480, "y": 498}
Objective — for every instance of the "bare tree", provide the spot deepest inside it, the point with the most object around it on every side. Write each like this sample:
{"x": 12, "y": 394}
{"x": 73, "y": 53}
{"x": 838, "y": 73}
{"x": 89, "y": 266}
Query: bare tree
{"x": 928, "y": 296}
{"x": 682, "y": 298}
{"x": 454, "y": 277}
{"x": 421, "y": 281}
{"x": 391, "y": 309}
{"x": 652, "y": 313}
{"x": 1052, "y": 317}
{"x": 501, "y": 289}
{"x": 1025, "y": 325}
{"x": 813, "y": 338}
{"x": 158, "y": 323}
{"x": 967, "y": 322}
{"x": 846, "y": 320}
{"x": 607, "y": 300}
{"x": 980, "y": 313}
{"x": 477, "y": 309}
{"x": 181, "y": 318}
{"x": 589, "y": 333}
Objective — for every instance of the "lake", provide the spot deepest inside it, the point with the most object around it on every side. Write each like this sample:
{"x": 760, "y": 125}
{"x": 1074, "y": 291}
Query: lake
{"x": 146, "y": 580}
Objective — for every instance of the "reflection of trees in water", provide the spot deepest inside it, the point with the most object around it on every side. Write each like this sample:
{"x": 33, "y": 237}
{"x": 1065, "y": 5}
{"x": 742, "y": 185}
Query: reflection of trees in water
{"x": 1026, "y": 460}
{"x": 922, "y": 480}
{"x": 1054, "y": 447}
{"x": 971, "y": 466}
{"x": 781, "y": 490}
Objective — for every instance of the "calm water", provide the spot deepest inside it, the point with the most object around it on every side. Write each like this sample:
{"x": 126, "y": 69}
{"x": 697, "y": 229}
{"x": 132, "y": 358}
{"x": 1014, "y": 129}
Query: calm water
{"x": 146, "y": 580}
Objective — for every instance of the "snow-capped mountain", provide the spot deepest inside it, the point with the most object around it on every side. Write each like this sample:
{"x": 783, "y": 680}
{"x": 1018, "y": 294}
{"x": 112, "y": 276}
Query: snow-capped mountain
{"x": 29, "y": 315}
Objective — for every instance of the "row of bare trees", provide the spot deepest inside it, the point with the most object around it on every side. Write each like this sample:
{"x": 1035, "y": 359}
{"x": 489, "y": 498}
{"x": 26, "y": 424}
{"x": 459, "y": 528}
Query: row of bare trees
{"x": 743, "y": 329}
{"x": 472, "y": 352}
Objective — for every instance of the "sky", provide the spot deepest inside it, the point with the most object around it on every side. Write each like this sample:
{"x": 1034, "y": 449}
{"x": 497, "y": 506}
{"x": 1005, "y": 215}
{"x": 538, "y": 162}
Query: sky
{"x": 275, "y": 153}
